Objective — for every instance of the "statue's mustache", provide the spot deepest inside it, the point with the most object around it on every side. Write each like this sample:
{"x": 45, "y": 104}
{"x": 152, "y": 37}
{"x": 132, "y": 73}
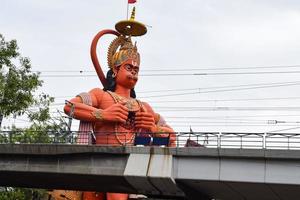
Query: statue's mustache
{"x": 132, "y": 77}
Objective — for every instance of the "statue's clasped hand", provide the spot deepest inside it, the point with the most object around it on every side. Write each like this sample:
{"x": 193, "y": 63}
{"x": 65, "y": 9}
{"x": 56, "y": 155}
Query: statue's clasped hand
{"x": 144, "y": 120}
{"x": 116, "y": 113}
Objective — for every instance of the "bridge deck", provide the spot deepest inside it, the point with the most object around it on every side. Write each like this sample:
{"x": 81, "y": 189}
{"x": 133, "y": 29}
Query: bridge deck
{"x": 195, "y": 172}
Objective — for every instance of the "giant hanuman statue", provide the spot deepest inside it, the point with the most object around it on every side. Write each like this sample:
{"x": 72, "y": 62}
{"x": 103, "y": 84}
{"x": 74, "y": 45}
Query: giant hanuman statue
{"x": 114, "y": 113}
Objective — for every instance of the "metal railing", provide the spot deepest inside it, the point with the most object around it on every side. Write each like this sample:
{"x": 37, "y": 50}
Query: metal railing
{"x": 182, "y": 139}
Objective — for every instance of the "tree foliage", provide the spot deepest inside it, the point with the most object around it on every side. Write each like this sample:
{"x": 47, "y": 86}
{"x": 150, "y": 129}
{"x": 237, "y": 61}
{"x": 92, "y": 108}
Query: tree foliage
{"x": 17, "y": 82}
{"x": 9, "y": 193}
{"x": 18, "y": 85}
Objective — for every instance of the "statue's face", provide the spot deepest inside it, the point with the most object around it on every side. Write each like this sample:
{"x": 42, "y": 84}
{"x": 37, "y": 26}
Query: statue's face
{"x": 127, "y": 75}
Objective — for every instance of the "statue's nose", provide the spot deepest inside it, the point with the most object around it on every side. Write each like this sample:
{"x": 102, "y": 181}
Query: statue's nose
{"x": 133, "y": 72}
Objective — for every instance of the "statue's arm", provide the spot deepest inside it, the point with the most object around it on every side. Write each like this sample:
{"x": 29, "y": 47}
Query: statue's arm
{"x": 155, "y": 123}
{"x": 82, "y": 111}
{"x": 164, "y": 130}
{"x": 94, "y": 112}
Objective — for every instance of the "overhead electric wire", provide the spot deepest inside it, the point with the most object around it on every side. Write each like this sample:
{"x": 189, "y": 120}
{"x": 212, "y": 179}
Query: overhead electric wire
{"x": 200, "y": 90}
{"x": 201, "y": 100}
{"x": 223, "y": 108}
{"x": 222, "y": 100}
{"x": 229, "y": 117}
{"x": 228, "y": 86}
{"x": 181, "y": 74}
{"x": 224, "y": 68}
{"x": 169, "y": 69}
{"x": 234, "y": 125}
{"x": 275, "y": 120}
{"x": 220, "y": 108}
{"x": 225, "y": 120}
{"x": 229, "y": 122}
{"x": 215, "y": 87}
{"x": 222, "y": 73}
{"x": 221, "y": 90}
{"x": 63, "y": 97}
{"x": 206, "y": 108}
{"x": 286, "y": 129}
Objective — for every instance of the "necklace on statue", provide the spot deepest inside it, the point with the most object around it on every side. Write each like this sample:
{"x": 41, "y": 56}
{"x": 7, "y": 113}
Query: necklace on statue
{"x": 133, "y": 106}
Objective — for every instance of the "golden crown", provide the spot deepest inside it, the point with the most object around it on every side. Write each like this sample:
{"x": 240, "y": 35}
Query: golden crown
{"x": 126, "y": 51}
{"x": 121, "y": 48}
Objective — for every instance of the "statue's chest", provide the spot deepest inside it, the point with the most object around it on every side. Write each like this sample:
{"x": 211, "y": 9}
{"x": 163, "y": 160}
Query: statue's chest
{"x": 133, "y": 106}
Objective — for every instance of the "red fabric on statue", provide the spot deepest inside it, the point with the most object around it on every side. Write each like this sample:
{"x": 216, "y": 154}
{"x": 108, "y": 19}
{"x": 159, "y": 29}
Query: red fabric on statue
{"x": 131, "y": 1}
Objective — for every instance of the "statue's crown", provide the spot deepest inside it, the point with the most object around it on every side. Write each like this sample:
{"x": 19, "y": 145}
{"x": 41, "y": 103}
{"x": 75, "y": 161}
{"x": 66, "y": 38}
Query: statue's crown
{"x": 120, "y": 50}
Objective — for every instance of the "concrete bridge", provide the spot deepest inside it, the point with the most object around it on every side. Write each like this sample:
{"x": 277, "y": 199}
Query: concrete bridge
{"x": 178, "y": 173}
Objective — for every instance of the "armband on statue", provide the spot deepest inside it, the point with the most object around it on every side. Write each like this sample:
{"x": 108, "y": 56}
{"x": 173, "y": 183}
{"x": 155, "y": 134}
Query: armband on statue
{"x": 98, "y": 114}
{"x": 160, "y": 132}
{"x": 160, "y": 129}
{"x": 85, "y": 98}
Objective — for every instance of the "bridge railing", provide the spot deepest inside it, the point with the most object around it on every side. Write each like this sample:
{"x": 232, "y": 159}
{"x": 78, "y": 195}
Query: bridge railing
{"x": 241, "y": 140}
{"x": 183, "y": 139}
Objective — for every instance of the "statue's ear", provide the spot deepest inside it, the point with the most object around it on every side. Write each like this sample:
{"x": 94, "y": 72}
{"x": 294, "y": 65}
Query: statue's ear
{"x": 115, "y": 70}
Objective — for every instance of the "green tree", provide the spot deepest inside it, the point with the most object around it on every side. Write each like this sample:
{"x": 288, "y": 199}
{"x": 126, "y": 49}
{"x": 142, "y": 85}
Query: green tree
{"x": 9, "y": 193}
{"x": 17, "y": 82}
{"x": 18, "y": 85}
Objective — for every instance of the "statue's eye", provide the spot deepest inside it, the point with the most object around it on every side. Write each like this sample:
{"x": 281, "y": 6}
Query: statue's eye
{"x": 136, "y": 69}
{"x": 128, "y": 67}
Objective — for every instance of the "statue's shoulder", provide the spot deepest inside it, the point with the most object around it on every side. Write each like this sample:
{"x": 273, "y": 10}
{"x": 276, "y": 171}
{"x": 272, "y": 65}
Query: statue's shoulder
{"x": 147, "y": 106}
{"x": 100, "y": 93}
{"x": 97, "y": 94}
{"x": 96, "y": 91}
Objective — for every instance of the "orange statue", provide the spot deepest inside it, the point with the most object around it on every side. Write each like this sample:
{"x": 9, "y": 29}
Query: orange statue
{"x": 114, "y": 112}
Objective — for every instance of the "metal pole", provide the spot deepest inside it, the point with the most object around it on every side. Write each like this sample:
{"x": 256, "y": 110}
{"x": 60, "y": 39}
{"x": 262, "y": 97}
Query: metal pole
{"x": 70, "y": 115}
{"x": 177, "y": 138}
{"x": 90, "y": 139}
{"x": 127, "y": 10}
{"x": 265, "y": 140}
{"x": 219, "y": 140}
{"x": 241, "y": 141}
